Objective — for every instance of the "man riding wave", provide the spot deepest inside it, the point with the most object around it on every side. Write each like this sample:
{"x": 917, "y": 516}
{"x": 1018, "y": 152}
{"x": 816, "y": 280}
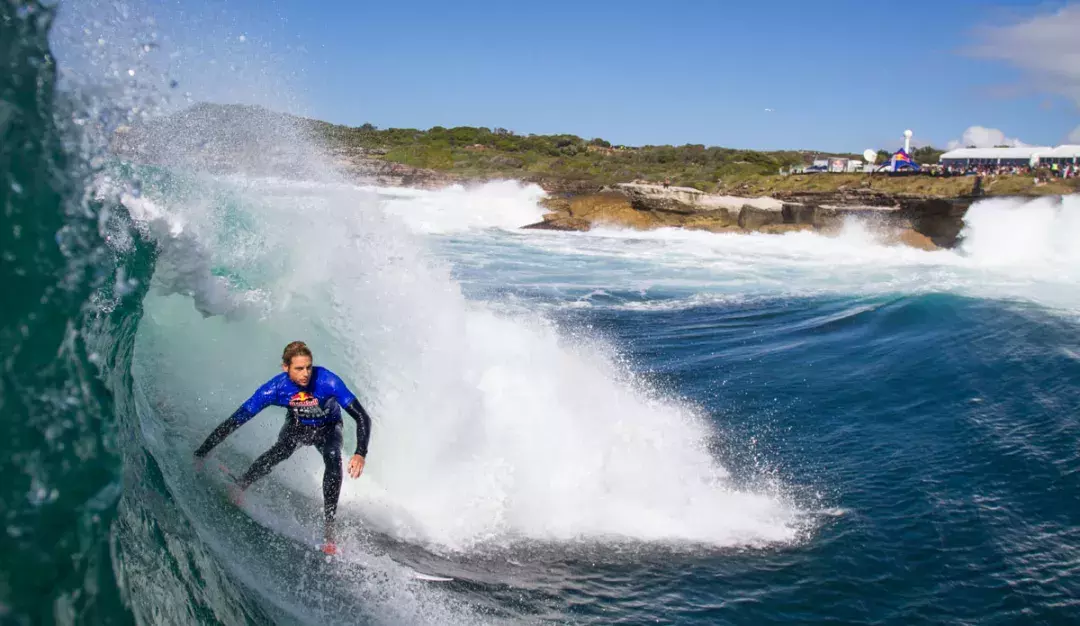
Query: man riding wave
{"x": 314, "y": 397}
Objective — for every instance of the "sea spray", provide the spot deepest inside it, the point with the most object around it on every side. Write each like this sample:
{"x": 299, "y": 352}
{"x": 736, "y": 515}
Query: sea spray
{"x": 500, "y": 204}
{"x": 488, "y": 428}
{"x": 1040, "y": 234}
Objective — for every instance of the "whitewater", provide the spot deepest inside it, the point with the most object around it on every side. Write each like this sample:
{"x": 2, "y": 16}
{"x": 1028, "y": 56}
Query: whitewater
{"x": 491, "y": 427}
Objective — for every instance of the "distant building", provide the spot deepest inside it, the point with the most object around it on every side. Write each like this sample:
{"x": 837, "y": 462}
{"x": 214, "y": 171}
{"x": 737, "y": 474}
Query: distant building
{"x": 1010, "y": 156}
{"x": 1062, "y": 155}
{"x": 832, "y": 164}
{"x": 842, "y": 165}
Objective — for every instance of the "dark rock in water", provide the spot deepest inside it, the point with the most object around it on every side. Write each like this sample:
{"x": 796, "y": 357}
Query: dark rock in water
{"x": 560, "y": 223}
{"x": 779, "y": 229}
{"x": 798, "y": 213}
{"x": 940, "y": 219}
{"x": 752, "y": 218}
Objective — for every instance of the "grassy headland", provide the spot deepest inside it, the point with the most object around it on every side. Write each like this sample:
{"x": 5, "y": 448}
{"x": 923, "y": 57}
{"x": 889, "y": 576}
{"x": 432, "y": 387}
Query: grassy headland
{"x": 484, "y": 152}
{"x": 474, "y": 152}
{"x": 557, "y": 161}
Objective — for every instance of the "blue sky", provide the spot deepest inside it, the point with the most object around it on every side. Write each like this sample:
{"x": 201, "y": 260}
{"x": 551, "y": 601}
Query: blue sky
{"x": 842, "y": 75}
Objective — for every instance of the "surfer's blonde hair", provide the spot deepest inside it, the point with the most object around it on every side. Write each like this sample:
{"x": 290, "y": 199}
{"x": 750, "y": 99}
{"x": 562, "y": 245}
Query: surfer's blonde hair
{"x": 295, "y": 349}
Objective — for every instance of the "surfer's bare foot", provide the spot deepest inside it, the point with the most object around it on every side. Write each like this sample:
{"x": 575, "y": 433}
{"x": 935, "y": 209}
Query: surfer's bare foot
{"x": 330, "y": 548}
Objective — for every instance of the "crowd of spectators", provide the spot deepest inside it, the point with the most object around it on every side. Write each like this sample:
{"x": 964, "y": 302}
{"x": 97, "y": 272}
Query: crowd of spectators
{"x": 1040, "y": 172}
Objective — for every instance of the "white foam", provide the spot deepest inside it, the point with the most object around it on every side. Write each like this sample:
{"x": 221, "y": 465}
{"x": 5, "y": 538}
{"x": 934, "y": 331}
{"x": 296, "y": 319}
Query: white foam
{"x": 1041, "y": 234}
{"x": 1012, "y": 250}
{"x": 499, "y": 204}
{"x": 526, "y": 436}
{"x": 488, "y": 428}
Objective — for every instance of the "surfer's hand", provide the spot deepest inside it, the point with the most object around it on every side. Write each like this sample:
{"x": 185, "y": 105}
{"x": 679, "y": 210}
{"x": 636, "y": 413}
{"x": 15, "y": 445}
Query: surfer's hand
{"x": 356, "y": 466}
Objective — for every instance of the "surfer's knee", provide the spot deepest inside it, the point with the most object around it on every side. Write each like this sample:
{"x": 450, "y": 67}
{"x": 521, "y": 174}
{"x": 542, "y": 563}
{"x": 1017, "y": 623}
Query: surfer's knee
{"x": 333, "y": 467}
{"x": 331, "y": 454}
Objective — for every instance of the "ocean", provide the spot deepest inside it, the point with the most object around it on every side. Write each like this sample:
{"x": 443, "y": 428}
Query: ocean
{"x": 602, "y": 427}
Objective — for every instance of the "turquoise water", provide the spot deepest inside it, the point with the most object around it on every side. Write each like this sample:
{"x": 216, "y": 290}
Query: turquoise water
{"x": 572, "y": 428}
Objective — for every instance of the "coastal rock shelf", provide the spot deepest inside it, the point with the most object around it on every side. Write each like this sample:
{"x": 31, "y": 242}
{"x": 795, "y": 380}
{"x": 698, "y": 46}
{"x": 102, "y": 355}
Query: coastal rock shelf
{"x": 922, "y": 222}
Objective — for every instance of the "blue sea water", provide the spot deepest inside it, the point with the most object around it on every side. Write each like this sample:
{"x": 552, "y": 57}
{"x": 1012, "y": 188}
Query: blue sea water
{"x": 932, "y": 431}
{"x": 621, "y": 426}
{"x": 603, "y": 427}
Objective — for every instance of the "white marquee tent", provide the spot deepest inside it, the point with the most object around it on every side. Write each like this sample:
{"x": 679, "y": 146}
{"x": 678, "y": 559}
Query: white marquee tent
{"x": 1011, "y": 156}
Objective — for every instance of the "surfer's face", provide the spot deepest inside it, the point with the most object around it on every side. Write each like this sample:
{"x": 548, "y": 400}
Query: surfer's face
{"x": 299, "y": 370}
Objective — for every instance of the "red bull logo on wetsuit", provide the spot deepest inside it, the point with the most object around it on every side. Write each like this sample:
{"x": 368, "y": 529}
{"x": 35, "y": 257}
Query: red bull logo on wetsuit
{"x": 303, "y": 399}
{"x": 305, "y": 408}
{"x": 318, "y": 403}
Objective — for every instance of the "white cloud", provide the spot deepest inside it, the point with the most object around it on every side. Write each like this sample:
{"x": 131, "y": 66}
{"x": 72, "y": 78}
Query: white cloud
{"x": 981, "y": 137}
{"x": 1046, "y": 48}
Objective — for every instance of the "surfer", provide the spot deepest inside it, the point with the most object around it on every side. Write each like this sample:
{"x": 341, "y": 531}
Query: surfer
{"x": 314, "y": 397}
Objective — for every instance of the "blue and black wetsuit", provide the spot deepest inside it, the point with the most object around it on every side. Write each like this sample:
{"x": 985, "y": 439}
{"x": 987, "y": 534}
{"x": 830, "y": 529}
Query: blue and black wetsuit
{"x": 313, "y": 418}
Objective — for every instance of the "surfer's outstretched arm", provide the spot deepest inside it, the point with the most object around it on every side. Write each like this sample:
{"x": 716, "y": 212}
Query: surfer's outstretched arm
{"x": 223, "y": 430}
{"x": 262, "y": 398}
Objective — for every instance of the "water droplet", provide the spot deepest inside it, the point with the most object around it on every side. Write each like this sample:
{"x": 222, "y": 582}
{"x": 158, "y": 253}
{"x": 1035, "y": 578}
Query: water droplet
{"x": 16, "y": 187}
{"x": 243, "y": 38}
{"x": 101, "y": 42}
{"x": 173, "y": 84}
{"x": 131, "y": 72}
